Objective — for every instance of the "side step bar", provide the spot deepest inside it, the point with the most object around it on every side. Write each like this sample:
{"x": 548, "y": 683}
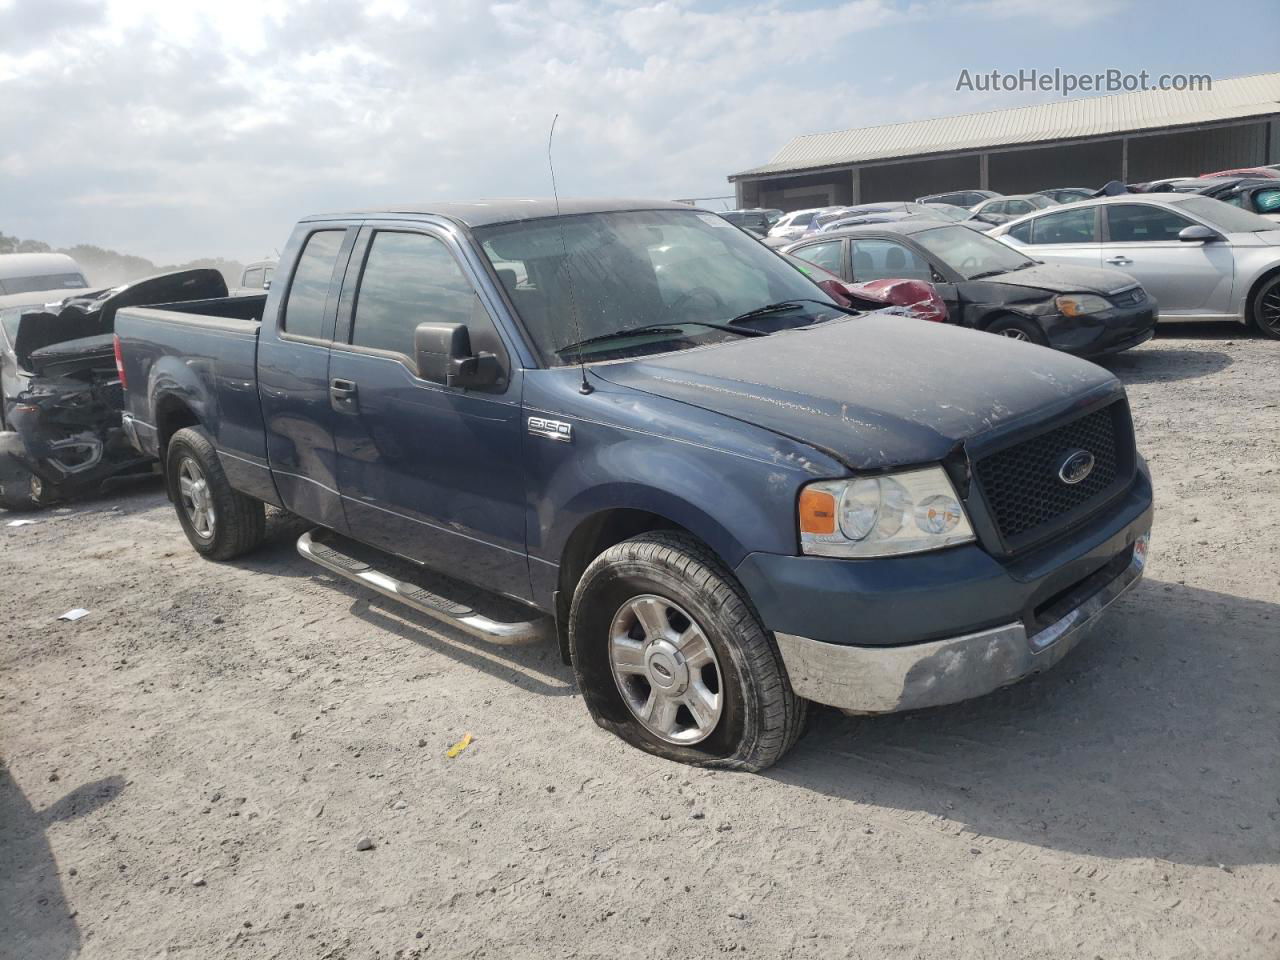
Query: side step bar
{"x": 424, "y": 601}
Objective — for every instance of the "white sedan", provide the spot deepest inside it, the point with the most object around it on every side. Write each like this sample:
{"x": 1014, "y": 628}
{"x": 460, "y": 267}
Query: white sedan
{"x": 1200, "y": 258}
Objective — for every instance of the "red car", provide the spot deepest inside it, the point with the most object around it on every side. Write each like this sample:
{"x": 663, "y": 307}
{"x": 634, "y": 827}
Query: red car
{"x": 915, "y": 297}
{"x": 1269, "y": 172}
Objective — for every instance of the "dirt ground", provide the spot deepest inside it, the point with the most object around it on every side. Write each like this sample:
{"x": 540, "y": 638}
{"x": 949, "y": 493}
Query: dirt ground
{"x": 187, "y": 770}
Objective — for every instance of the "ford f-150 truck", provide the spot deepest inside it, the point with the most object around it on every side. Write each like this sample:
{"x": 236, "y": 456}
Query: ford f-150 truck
{"x": 724, "y": 495}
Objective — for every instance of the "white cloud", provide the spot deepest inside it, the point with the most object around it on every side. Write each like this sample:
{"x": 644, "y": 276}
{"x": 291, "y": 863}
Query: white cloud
{"x": 176, "y": 129}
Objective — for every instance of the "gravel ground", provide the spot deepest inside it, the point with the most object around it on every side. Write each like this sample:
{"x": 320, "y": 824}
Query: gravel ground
{"x": 189, "y": 770}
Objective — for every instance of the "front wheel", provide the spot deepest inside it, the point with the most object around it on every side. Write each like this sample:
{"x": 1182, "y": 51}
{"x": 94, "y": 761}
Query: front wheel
{"x": 1265, "y": 309}
{"x": 671, "y": 657}
{"x": 220, "y": 522}
{"x": 1017, "y": 328}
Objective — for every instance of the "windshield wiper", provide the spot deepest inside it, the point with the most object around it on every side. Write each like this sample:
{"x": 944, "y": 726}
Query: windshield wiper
{"x": 783, "y": 306}
{"x": 989, "y": 273}
{"x": 658, "y": 328}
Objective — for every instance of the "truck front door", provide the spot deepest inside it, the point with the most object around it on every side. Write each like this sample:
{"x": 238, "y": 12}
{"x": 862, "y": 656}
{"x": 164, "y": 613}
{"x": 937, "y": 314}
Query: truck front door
{"x": 429, "y": 472}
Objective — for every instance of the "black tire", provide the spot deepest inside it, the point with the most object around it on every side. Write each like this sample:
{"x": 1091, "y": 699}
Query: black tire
{"x": 760, "y": 716}
{"x": 22, "y": 492}
{"x": 1018, "y": 328}
{"x": 1264, "y": 309}
{"x": 237, "y": 523}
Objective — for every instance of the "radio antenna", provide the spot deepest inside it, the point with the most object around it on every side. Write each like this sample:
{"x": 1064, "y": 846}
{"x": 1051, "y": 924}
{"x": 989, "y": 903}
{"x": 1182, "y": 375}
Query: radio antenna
{"x": 564, "y": 246}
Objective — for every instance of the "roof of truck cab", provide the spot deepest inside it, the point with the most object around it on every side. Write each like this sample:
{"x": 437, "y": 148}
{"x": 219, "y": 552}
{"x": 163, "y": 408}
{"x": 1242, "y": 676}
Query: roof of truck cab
{"x": 480, "y": 213}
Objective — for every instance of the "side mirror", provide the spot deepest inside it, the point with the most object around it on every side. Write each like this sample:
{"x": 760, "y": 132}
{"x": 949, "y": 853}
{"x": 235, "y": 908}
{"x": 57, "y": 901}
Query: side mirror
{"x": 443, "y": 355}
{"x": 1198, "y": 231}
{"x": 266, "y": 284}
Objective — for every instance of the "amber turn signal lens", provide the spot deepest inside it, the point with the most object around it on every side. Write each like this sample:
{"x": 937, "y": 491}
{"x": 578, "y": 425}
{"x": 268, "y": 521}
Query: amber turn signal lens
{"x": 817, "y": 512}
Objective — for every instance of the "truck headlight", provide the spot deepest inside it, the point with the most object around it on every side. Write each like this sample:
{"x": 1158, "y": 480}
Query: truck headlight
{"x": 1080, "y": 304}
{"x": 906, "y": 512}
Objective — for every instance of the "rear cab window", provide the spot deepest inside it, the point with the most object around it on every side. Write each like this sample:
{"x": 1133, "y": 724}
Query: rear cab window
{"x": 306, "y": 309}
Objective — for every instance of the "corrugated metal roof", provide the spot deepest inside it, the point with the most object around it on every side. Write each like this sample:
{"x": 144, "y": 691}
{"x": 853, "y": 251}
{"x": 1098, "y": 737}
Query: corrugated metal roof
{"x": 1229, "y": 99}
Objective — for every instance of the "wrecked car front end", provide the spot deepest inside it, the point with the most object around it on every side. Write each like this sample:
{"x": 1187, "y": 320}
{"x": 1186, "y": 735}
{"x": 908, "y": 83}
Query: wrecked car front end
{"x": 60, "y": 432}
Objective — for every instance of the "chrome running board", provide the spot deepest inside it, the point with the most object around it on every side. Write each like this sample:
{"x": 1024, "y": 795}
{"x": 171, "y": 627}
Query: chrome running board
{"x": 424, "y": 601}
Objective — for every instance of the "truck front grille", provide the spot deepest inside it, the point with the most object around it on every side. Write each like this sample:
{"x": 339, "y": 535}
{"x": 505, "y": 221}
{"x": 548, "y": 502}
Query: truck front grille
{"x": 1022, "y": 484}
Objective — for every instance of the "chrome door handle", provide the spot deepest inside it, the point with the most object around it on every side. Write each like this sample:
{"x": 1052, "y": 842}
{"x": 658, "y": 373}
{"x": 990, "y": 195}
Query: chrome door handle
{"x": 1119, "y": 261}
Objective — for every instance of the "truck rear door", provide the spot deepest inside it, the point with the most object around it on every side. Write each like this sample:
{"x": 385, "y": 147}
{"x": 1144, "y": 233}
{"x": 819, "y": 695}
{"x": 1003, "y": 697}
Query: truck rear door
{"x": 293, "y": 373}
{"x": 426, "y": 471}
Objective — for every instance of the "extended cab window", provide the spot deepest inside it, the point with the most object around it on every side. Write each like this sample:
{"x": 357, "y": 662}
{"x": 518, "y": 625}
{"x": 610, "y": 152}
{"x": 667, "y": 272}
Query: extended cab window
{"x": 305, "y": 312}
{"x": 408, "y": 279}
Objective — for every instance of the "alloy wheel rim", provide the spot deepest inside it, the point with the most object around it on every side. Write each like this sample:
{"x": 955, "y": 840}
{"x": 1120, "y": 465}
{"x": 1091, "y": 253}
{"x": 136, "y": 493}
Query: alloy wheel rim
{"x": 666, "y": 669}
{"x": 1269, "y": 308}
{"x": 197, "y": 501}
{"x": 1013, "y": 333}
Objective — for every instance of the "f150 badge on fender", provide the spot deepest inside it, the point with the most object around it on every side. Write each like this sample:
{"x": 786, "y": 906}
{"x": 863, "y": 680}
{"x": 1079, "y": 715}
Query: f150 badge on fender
{"x": 551, "y": 429}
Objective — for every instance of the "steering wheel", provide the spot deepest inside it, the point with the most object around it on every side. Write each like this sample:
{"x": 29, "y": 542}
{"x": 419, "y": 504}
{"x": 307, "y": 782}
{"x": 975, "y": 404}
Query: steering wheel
{"x": 966, "y": 263}
{"x": 689, "y": 295}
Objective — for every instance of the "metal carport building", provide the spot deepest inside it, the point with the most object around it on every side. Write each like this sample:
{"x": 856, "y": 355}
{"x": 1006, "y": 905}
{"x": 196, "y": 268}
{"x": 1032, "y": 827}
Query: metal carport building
{"x": 1086, "y": 142}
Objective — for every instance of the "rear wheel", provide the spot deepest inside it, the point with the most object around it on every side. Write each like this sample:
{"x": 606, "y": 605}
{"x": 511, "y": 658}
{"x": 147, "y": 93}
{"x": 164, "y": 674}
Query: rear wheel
{"x": 220, "y": 522}
{"x": 671, "y": 657}
{"x": 1018, "y": 328}
{"x": 1265, "y": 309}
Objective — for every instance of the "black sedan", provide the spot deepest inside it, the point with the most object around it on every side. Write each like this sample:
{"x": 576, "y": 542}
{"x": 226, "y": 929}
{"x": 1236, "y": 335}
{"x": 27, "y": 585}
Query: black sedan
{"x": 989, "y": 286}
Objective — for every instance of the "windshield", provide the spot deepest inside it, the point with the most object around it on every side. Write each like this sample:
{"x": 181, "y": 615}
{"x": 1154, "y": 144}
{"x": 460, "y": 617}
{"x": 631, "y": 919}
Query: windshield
{"x": 1225, "y": 217}
{"x": 639, "y": 268}
{"x": 50, "y": 281}
{"x": 1040, "y": 202}
{"x": 969, "y": 253}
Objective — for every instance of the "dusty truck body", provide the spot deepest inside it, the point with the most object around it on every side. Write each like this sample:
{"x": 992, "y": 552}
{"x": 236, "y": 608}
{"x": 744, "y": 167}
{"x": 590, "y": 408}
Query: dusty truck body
{"x": 60, "y": 416}
{"x": 722, "y": 494}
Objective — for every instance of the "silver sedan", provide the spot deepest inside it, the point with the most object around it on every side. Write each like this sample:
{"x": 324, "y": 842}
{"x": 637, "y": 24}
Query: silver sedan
{"x": 1200, "y": 258}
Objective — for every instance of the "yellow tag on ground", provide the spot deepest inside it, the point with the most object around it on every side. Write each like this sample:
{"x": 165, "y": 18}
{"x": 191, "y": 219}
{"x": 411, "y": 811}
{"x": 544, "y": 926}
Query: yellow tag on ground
{"x": 458, "y": 747}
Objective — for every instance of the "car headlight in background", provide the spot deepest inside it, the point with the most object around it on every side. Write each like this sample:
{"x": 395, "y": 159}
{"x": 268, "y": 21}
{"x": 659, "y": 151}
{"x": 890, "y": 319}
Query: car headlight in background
{"x": 1081, "y": 304}
{"x": 906, "y": 512}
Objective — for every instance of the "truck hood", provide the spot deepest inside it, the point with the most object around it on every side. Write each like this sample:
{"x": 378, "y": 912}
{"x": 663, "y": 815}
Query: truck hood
{"x": 1065, "y": 278}
{"x": 875, "y": 391}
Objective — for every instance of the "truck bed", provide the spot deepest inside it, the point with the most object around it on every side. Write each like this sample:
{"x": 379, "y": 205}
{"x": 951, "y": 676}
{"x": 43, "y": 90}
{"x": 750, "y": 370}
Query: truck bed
{"x": 204, "y": 352}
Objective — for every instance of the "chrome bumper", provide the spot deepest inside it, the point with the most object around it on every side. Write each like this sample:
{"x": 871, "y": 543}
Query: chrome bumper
{"x": 890, "y": 679}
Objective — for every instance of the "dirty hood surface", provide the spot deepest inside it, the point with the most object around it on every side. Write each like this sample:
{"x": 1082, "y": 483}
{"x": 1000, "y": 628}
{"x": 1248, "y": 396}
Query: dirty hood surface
{"x": 873, "y": 391}
{"x": 1066, "y": 278}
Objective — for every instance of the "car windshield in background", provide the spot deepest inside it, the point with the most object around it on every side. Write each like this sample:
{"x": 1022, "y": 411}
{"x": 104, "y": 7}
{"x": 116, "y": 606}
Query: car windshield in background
{"x": 641, "y": 268}
{"x": 1040, "y": 203}
{"x": 51, "y": 281}
{"x": 1225, "y": 217}
{"x": 969, "y": 253}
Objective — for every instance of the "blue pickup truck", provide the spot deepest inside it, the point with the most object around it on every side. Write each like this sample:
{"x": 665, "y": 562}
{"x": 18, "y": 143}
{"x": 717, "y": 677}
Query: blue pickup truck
{"x": 723, "y": 495}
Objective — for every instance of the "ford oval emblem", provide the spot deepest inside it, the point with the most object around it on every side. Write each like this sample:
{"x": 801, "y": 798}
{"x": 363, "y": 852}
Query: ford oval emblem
{"x": 1075, "y": 467}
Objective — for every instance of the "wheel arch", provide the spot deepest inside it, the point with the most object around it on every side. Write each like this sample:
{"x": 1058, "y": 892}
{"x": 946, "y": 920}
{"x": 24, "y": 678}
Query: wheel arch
{"x": 596, "y": 533}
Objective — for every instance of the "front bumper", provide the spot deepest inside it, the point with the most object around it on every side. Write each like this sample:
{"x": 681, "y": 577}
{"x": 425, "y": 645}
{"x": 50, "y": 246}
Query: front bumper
{"x": 890, "y": 679}
{"x": 1102, "y": 333}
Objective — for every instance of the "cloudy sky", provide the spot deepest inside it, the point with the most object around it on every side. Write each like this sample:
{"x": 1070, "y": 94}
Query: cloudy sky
{"x": 182, "y": 129}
